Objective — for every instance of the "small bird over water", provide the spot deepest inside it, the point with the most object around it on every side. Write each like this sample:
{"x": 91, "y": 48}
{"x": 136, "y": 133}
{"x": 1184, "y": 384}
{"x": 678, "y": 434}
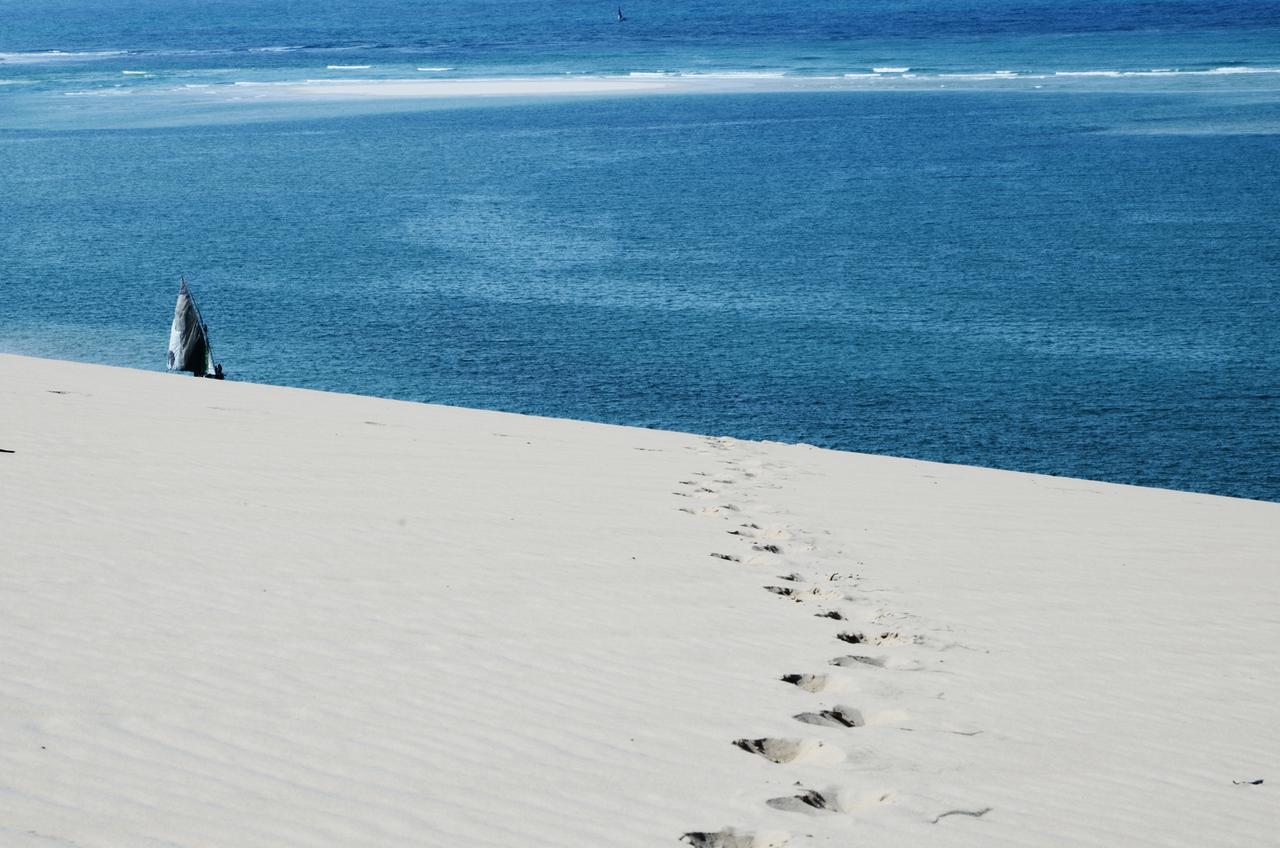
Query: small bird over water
{"x": 621, "y": 17}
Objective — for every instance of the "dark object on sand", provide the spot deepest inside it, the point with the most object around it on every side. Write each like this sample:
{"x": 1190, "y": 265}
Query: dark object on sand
{"x": 189, "y": 347}
{"x": 977, "y": 814}
{"x": 1257, "y": 782}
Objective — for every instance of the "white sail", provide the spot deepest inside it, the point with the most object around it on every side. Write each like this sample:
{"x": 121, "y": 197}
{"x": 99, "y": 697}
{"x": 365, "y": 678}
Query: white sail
{"x": 189, "y": 348}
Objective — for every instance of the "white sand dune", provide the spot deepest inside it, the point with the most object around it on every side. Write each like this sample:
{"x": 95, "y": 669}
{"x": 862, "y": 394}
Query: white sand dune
{"x": 240, "y": 615}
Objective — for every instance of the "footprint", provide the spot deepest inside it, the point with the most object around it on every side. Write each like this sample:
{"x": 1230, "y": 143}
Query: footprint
{"x": 836, "y": 614}
{"x": 838, "y": 716}
{"x": 772, "y": 549}
{"x": 808, "y": 802}
{"x": 727, "y": 557}
{"x": 885, "y": 638}
{"x": 898, "y": 639}
{"x": 855, "y": 660}
{"x": 790, "y": 750}
{"x": 730, "y": 838}
{"x": 820, "y": 594}
{"x": 896, "y": 663}
{"x": 771, "y": 533}
{"x": 709, "y": 510}
{"x": 814, "y": 594}
{"x": 812, "y": 802}
{"x": 807, "y": 682}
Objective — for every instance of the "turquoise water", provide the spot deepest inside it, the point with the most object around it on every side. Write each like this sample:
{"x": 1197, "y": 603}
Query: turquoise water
{"x": 1047, "y": 271}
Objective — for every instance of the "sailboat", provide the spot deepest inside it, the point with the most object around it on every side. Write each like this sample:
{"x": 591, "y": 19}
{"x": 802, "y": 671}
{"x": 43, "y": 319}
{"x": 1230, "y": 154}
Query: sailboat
{"x": 189, "y": 347}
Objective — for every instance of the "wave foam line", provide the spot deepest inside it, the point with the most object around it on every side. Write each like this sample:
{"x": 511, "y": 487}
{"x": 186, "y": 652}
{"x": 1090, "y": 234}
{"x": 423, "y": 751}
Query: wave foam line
{"x": 41, "y": 56}
{"x": 982, "y": 75}
{"x": 1170, "y": 72}
{"x": 734, "y": 74}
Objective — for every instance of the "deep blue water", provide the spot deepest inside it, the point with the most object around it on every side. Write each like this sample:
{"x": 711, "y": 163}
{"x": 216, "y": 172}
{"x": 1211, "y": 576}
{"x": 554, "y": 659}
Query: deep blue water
{"x": 1075, "y": 279}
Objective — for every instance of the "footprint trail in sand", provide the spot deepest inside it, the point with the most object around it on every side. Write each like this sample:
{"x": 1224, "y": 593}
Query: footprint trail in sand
{"x": 818, "y": 582}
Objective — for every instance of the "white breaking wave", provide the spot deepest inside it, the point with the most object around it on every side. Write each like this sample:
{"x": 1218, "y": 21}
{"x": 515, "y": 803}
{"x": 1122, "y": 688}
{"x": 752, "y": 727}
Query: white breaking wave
{"x": 1242, "y": 70}
{"x": 1170, "y": 72}
{"x": 57, "y": 56}
{"x": 734, "y": 74}
{"x": 989, "y": 75}
{"x": 136, "y": 73}
{"x": 887, "y": 70}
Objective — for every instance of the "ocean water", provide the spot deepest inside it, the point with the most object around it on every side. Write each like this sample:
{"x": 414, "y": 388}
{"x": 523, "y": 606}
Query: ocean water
{"x": 1042, "y": 236}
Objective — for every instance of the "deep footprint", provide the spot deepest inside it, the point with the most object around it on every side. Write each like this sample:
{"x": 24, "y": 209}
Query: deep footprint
{"x": 885, "y": 638}
{"x": 789, "y": 750}
{"x": 730, "y": 838}
{"x": 894, "y": 663}
{"x": 808, "y": 802}
{"x": 833, "y": 800}
{"x": 834, "y": 717}
{"x": 807, "y": 682}
{"x": 855, "y": 660}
